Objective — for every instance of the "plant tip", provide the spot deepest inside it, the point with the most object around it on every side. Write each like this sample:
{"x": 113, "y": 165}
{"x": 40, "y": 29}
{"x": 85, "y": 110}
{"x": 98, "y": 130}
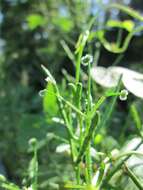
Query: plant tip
{"x": 32, "y": 141}
{"x": 42, "y": 92}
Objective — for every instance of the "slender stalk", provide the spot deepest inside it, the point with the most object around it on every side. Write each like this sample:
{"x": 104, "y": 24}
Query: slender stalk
{"x": 35, "y": 180}
{"x": 97, "y": 105}
{"x": 89, "y": 88}
{"x": 118, "y": 166}
{"x": 133, "y": 177}
{"x": 89, "y": 164}
{"x": 77, "y": 171}
{"x": 87, "y": 137}
{"x": 127, "y": 10}
{"x": 130, "y": 153}
{"x": 82, "y": 42}
{"x": 88, "y": 153}
{"x": 78, "y": 63}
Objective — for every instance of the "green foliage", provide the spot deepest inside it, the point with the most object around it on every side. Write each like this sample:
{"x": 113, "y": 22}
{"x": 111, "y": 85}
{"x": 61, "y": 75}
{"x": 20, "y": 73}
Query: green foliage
{"x": 64, "y": 23}
{"x": 90, "y": 120}
{"x": 35, "y": 20}
{"x": 127, "y": 24}
{"x": 50, "y": 101}
{"x": 7, "y": 185}
{"x": 136, "y": 118}
{"x": 33, "y": 166}
{"x": 30, "y": 126}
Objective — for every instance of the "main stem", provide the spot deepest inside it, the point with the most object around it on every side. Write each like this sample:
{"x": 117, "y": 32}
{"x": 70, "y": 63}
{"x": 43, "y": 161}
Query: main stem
{"x": 88, "y": 151}
{"x": 78, "y": 65}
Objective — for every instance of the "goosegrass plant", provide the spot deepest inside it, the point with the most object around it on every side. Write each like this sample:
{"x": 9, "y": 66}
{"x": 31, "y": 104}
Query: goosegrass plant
{"x": 83, "y": 119}
{"x": 88, "y": 122}
{"x": 81, "y": 115}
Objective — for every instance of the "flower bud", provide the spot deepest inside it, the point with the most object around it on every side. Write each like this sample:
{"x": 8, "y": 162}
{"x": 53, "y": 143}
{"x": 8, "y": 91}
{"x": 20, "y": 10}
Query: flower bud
{"x": 123, "y": 95}
{"x": 87, "y": 59}
{"x": 32, "y": 142}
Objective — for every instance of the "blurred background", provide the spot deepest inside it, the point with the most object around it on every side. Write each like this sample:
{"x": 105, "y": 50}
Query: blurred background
{"x": 32, "y": 33}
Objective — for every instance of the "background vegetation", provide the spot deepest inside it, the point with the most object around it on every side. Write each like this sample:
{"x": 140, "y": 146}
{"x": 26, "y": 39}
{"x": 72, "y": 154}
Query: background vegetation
{"x": 35, "y": 32}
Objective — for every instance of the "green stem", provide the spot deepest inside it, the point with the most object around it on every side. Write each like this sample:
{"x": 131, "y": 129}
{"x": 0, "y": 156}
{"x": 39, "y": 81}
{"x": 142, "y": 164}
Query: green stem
{"x": 127, "y": 10}
{"x": 88, "y": 153}
{"x": 118, "y": 166}
{"x": 97, "y": 105}
{"x": 128, "y": 154}
{"x": 87, "y": 137}
{"x": 89, "y": 89}
{"x": 71, "y": 105}
{"x": 89, "y": 164}
{"x": 133, "y": 177}
{"x": 77, "y": 171}
{"x": 78, "y": 63}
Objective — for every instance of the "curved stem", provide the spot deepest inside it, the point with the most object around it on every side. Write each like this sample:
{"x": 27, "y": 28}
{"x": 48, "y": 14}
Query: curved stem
{"x": 133, "y": 177}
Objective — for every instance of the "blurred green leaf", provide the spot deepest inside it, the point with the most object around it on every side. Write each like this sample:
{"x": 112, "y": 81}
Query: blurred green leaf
{"x": 50, "y": 100}
{"x": 127, "y": 24}
{"x": 136, "y": 117}
{"x": 128, "y": 10}
{"x": 35, "y": 20}
{"x": 30, "y": 125}
{"x": 64, "y": 23}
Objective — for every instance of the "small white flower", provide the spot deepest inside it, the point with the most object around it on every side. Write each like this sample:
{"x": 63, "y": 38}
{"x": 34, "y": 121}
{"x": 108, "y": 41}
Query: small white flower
{"x": 87, "y": 59}
{"x": 123, "y": 95}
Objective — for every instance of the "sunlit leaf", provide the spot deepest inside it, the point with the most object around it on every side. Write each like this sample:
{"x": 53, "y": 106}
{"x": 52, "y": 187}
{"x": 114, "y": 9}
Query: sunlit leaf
{"x": 50, "y": 100}
{"x": 35, "y": 20}
{"x": 64, "y": 23}
{"x": 136, "y": 117}
{"x": 127, "y": 24}
{"x": 9, "y": 186}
